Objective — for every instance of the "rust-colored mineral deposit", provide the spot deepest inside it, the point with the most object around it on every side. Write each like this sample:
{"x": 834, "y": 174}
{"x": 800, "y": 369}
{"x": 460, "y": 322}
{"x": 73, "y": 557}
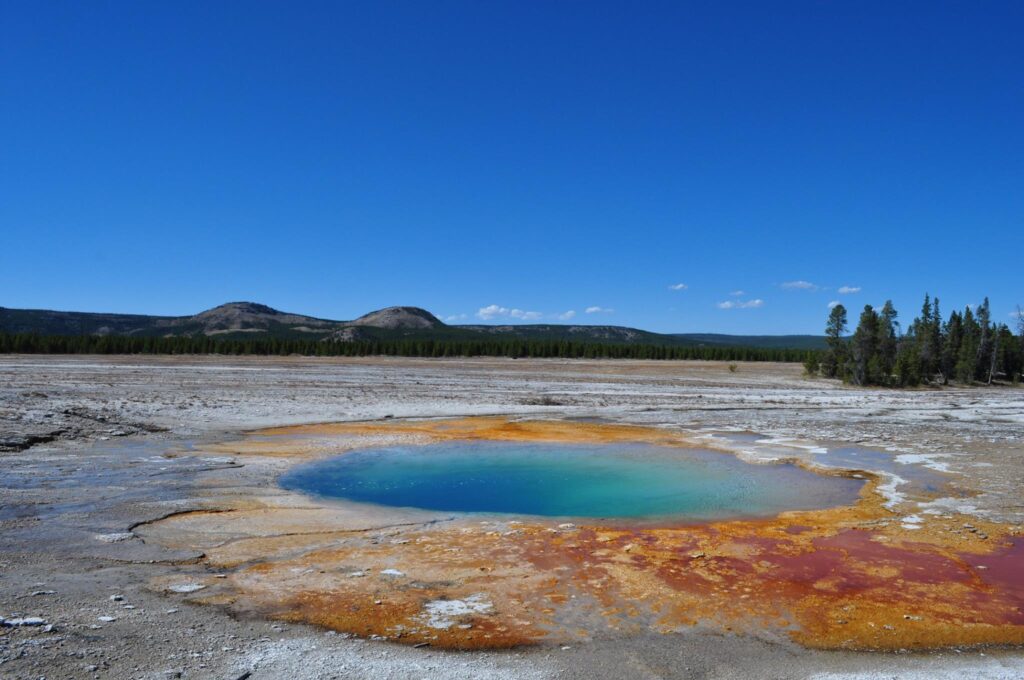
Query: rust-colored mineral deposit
{"x": 850, "y": 577}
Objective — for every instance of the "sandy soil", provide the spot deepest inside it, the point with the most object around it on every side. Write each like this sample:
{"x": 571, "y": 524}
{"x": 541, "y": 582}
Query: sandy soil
{"x": 85, "y": 475}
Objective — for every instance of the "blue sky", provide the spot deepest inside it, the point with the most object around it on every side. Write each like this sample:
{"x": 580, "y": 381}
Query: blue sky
{"x": 520, "y": 159}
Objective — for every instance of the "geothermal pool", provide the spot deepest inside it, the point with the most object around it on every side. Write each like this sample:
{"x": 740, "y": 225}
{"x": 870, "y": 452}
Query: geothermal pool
{"x": 570, "y": 480}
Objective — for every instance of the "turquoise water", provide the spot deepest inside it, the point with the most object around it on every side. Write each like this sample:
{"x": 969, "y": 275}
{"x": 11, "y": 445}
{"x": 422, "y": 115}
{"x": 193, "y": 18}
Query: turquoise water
{"x": 568, "y": 480}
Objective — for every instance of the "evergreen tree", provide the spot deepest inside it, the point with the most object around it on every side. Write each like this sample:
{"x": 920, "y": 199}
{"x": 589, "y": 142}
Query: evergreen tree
{"x": 1020, "y": 343}
{"x": 952, "y": 338}
{"x": 812, "y": 363}
{"x": 985, "y": 365}
{"x": 835, "y": 359}
{"x": 908, "y": 363}
{"x": 967, "y": 355}
{"x": 887, "y": 340}
{"x": 935, "y": 340}
{"x": 921, "y": 326}
{"x": 864, "y": 348}
{"x": 1008, "y": 360}
{"x": 928, "y": 331}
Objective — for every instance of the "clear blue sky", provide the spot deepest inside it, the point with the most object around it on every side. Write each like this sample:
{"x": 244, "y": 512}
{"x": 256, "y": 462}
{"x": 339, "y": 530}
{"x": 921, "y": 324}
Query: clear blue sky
{"x": 543, "y": 157}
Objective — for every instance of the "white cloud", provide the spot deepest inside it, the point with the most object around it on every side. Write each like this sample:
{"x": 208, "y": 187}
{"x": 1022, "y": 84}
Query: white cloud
{"x": 490, "y": 311}
{"x": 456, "y": 317}
{"x": 598, "y": 310}
{"x": 799, "y": 285}
{"x": 678, "y": 286}
{"x": 834, "y": 304}
{"x": 741, "y": 304}
{"x": 495, "y": 311}
{"x": 738, "y": 293}
{"x": 565, "y": 316}
{"x": 848, "y": 290}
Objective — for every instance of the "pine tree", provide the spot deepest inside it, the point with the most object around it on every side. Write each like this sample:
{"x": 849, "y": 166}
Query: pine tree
{"x": 1009, "y": 356}
{"x": 887, "y": 341}
{"x": 834, "y": 363}
{"x": 908, "y": 363}
{"x": 1020, "y": 343}
{"x": 984, "y": 366}
{"x": 935, "y": 340}
{"x": 928, "y": 331}
{"x": 812, "y": 363}
{"x": 865, "y": 348}
{"x": 953, "y": 337}
{"x": 922, "y": 324}
{"x": 967, "y": 355}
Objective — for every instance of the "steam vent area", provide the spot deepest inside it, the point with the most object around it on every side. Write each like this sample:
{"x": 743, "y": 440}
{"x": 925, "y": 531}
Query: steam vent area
{"x": 485, "y": 533}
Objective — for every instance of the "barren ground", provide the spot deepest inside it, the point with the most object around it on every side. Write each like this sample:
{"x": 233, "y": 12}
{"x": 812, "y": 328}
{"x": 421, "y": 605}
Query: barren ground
{"x": 87, "y": 475}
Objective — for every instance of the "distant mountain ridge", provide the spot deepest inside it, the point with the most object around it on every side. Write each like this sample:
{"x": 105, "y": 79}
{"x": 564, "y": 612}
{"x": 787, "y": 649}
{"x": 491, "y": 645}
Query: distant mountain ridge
{"x": 251, "y": 319}
{"x": 226, "y": 319}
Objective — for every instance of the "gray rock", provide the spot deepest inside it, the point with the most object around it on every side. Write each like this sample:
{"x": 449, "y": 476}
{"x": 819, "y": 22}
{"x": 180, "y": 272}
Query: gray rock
{"x": 19, "y": 621}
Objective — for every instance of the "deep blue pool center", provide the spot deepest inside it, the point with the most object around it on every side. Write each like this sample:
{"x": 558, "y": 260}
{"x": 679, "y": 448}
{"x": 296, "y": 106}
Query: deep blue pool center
{"x": 570, "y": 480}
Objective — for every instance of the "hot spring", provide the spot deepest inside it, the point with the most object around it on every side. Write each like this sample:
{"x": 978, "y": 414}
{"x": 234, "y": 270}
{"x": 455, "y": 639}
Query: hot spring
{"x": 570, "y": 480}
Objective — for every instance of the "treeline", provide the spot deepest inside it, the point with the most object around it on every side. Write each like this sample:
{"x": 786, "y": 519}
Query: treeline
{"x": 966, "y": 348}
{"x": 565, "y": 349}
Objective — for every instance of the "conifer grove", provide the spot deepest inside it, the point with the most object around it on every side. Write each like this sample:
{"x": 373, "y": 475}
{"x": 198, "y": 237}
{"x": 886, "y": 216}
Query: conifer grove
{"x": 968, "y": 347}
